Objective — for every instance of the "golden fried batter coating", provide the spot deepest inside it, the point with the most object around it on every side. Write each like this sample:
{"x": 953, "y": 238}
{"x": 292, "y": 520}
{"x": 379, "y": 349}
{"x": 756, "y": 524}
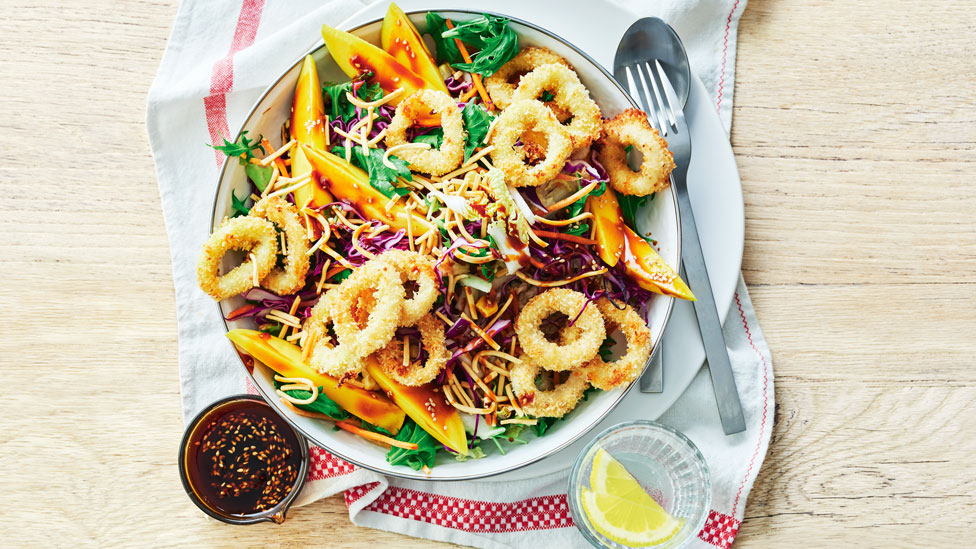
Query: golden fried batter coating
{"x": 555, "y": 403}
{"x": 624, "y": 370}
{"x": 423, "y": 104}
{"x": 516, "y": 120}
{"x": 570, "y": 95}
{"x": 502, "y": 84}
{"x": 420, "y": 269}
{"x": 414, "y": 373}
{"x": 291, "y": 277}
{"x": 248, "y": 234}
{"x": 565, "y": 355}
{"x": 632, "y": 128}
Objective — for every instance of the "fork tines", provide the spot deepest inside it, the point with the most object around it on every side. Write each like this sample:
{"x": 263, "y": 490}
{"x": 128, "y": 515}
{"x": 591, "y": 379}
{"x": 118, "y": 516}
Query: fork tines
{"x": 662, "y": 111}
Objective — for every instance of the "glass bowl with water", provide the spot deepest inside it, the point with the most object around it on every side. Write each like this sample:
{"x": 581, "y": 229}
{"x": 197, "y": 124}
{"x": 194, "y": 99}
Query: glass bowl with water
{"x": 664, "y": 462}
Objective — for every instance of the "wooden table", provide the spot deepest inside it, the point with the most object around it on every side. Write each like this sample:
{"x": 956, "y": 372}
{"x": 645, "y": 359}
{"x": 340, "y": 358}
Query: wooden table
{"x": 855, "y": 136}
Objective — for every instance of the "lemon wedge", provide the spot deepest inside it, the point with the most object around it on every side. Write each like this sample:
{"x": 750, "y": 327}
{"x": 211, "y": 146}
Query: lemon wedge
{"x": 621, "y": 510}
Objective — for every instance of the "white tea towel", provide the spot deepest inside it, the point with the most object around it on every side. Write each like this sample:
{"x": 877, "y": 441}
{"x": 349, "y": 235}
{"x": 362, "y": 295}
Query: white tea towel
{"x": 220, "y": 56}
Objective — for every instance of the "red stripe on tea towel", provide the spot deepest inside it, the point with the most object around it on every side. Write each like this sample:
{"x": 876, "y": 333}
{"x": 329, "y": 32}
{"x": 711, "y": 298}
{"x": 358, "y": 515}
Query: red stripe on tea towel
{"x": 222, "y": 74}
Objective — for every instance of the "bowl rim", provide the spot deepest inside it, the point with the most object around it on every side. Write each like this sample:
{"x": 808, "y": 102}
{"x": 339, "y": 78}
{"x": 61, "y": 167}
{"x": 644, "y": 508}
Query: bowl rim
{"x": 413, "y": 475}
{"x": 276, "y": 513}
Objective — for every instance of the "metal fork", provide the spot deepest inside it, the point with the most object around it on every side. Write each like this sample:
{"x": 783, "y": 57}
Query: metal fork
{"x": 667, "y": 116}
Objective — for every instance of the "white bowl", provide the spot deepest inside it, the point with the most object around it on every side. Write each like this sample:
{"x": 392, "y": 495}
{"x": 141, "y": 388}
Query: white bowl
{"x": 659, "y": 218}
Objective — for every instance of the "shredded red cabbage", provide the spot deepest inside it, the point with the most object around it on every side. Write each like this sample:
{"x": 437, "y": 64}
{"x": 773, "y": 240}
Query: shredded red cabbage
{"x": 455, "y": 85}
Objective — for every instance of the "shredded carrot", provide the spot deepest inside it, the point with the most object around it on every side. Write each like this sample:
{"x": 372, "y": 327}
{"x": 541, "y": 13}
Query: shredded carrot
{"x": 277, "y": 161}
{"x": 241, "y": 311}
{"x": 564, "y": 236}
{"x": 375, "y": 437}
{"x": 474, "y": 76}
{"x": 468, "y": 94}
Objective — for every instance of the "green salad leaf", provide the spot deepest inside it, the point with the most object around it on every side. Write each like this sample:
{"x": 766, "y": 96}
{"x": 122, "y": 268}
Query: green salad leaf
{"x": 606, "y": 348}
{"x": 434, "y": 138}
{"x": 543, "y": 424}
{"x": 238, "y": 205}
{"x": 260, "y": 175}
{"x": 477, "y": 120}
{"x": 446, "y": 49}
{"x": 630, "y": 204}
{"x": 243, "y": 149}
{"x": 427, "y": 447}
{"x": 381, "y": 177}
{"x": 487, "y": 271}
{"x": 339, "y": 107}
{"x": 495, "y": 41}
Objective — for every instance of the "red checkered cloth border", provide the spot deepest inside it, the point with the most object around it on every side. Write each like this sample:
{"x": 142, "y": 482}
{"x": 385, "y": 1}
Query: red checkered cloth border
{"x": 538, "y": 513}
{"x": 719, "y": 529}
{"x": 323, "y": 465}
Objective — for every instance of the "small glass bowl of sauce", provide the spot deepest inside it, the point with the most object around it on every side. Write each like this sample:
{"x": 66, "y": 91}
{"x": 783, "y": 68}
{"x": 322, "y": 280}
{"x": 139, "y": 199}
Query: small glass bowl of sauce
{"x": 241, "y": 463}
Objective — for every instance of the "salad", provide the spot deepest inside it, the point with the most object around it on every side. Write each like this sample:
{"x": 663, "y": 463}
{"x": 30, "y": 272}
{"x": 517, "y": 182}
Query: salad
{"x": 441, "y": 256}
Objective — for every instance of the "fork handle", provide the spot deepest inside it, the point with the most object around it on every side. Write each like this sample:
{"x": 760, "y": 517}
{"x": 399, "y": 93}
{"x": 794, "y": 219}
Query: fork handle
{"x": 719, "y": 366}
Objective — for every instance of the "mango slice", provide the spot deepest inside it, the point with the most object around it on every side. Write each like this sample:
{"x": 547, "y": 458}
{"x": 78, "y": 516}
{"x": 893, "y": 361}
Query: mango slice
{"x": 426, "y": 405}
{"x": 616, "y": 241}
{"x": 644, "y": 265}
{"x": 286, "y": 359}
{"x": 347, "y": 182}
{"x": 308, "y": 126}
{"x": 401, "y": 39}
{"x": 356, "y": 56}
{"x": 607, "y": 221}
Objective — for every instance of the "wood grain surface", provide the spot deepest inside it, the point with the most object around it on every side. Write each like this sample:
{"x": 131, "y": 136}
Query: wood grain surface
{"x": 855, "y": 135}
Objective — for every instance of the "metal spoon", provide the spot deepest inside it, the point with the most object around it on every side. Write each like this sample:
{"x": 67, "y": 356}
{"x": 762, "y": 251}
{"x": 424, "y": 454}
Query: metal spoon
{"x": 652, "y": 37}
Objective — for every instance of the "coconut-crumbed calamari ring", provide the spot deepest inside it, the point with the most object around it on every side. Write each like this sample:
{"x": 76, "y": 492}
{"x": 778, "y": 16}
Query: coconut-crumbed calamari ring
{"x": 570, "y": 94}
{"x": 248, "y": 234}
{"x": 420, "y": 269}
{"x": 502, "y": 84}
{"x": 326, "y": 356}
{"x": 565, "y": 355}
{"x": 517, "y": 119}
{"x": 291, "y": 277}
{"x": 606, "y": 376}
{"x": 632, "y": 128}
{"x": 554, "y": 403}
{"x": 423, "y": 104}
{"x": 414, "y": 374}
{"x": 377, "y": 281}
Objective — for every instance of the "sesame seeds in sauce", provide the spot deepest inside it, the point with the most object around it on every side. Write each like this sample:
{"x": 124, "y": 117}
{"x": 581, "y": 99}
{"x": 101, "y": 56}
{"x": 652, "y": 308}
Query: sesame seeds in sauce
{"x": 246, "y": 461}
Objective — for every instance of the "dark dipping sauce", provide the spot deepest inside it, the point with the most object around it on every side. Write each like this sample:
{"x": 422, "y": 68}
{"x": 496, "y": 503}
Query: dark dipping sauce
{"x": 243, "y": 459}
